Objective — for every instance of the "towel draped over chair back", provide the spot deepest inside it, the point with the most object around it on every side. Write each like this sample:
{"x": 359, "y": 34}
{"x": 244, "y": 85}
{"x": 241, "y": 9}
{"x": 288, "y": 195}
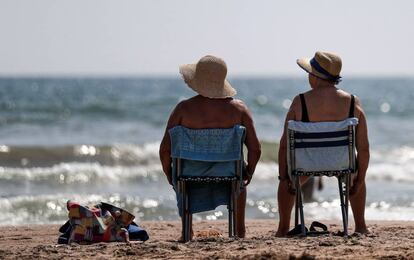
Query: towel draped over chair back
{"x": 321, "y": 148}
{"x": 221, "y": 144}
{"x": 206, "y": 153}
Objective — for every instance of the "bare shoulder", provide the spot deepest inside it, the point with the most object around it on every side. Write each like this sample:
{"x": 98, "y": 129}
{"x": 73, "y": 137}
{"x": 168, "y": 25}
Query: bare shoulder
{"x": 180, "y": 109}
{"x": 358, "y": 102}
{"x": 295, "y": 108}
{"x": 343, "y": 94}
{"x": 239, "y": 105}
{"x": 187, "y": 101}
{"x": 186, "y": 104}
{"x": 296, "y": 103}
{"x": 358, "y": 106}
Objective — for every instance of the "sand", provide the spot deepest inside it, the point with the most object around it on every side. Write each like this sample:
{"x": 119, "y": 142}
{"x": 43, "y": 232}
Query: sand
{"x": 388, "y": 240}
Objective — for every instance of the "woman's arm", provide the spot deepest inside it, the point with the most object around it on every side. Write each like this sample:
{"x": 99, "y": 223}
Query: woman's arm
{"x": 282, "y": 158}
{"x": 362, "y": 146}
{"x": 165, "y": 147}
{"x": 252, "y": 143}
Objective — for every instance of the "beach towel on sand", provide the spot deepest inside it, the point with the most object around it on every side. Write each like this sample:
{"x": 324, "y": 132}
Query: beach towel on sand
{"x": 206, "y": 152}
{"x": 100, "y": 223}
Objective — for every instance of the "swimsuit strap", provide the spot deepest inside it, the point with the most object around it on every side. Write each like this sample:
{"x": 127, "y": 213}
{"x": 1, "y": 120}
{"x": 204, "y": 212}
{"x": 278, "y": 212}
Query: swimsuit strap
{"x": 305, "y": 116}
{"x": 352, "y": 106}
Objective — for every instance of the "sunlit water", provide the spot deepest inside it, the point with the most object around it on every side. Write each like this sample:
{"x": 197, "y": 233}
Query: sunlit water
{"x": 97, "y": 140}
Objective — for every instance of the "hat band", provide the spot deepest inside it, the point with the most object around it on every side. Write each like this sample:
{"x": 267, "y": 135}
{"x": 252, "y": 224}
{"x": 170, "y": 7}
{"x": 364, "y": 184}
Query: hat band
{"x": 321, "y": 70}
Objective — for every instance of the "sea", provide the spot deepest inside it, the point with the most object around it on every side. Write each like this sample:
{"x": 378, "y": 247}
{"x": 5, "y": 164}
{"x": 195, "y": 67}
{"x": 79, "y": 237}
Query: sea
{"x": 97, "y": 139}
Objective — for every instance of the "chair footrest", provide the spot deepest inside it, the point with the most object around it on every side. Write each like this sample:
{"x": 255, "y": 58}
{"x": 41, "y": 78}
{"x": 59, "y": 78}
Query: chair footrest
{"x": 207, "y": 179}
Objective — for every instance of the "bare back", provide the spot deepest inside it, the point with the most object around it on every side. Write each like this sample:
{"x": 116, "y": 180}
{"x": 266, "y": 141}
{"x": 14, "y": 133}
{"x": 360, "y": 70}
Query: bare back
{"x": 200, "y": 112}
{"x": 325, "y": 104}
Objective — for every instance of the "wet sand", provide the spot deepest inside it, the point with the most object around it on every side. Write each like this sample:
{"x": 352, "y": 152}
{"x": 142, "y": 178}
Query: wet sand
{"x": 387, "y": 240}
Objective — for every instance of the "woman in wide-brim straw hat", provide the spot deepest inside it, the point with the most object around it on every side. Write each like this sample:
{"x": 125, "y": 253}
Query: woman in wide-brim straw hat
{"x": 213, "y": 107}
{"x": 325, "y": 102}
{"x": 208, "y": 77}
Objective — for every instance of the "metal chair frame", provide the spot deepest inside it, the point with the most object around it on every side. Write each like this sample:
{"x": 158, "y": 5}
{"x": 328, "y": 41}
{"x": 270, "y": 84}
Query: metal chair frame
{"x": 183, "y": 182}
{"x": 343, "y": 176}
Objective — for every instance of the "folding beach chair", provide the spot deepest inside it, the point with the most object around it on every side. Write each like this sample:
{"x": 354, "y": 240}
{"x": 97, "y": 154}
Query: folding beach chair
{"x": 322, "y": 149}
{"x": 207, "y": 171}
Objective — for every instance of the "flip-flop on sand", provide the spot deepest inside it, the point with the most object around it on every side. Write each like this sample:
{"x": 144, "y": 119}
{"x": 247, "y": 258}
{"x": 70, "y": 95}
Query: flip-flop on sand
{"x": 296, "y": 231}
{"x": 313, "y": 230}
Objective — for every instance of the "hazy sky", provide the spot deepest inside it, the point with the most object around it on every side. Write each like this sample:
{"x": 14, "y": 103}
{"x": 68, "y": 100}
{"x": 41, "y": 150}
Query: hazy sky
{"x": 373, "y": 37}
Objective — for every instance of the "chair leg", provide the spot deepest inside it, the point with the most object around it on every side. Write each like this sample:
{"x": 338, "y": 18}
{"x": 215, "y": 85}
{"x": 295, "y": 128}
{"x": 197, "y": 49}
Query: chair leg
{"x": 230, "y": 222}
{"x": 189, "y": 223}
{"x": 183, "y": 211}
{"x": 232, "y": 210}
{"x": 347, "y": 187}
{"x": 343, "y": 207}
{"x": 300, "y": 205}
{"x": 186, "y": 216}
{"x": 296, "y": 205}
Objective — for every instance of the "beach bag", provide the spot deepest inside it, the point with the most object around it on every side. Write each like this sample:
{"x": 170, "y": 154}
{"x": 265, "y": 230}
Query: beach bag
{"x": 100, "y": 223}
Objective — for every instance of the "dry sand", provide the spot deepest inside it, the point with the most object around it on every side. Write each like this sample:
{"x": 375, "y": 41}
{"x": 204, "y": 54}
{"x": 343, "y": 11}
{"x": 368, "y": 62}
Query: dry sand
{"x": 388, "y": 240}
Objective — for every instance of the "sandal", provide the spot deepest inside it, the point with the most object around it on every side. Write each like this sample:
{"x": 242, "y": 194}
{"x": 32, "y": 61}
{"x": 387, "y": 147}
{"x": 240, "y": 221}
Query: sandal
{"x": 319, "y": 225}
{"x": 297, "y": 231}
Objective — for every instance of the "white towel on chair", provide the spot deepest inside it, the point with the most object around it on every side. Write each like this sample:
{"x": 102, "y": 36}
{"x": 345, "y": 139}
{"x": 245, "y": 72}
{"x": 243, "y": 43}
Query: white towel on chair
{"x": 322, "y": 158}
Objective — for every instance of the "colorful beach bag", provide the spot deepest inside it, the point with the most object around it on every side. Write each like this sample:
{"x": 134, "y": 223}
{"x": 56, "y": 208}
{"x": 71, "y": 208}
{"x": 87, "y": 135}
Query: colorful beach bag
{"x": 100, "y": 223}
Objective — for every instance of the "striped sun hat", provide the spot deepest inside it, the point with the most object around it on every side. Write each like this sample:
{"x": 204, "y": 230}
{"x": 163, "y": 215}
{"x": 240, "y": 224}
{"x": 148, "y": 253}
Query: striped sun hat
{"x": 324, "y": 65}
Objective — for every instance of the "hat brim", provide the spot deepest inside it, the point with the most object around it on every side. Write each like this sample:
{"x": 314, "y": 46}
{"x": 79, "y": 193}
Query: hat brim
{"x": 304, "y": 63}
{"x": 221, "y": 90}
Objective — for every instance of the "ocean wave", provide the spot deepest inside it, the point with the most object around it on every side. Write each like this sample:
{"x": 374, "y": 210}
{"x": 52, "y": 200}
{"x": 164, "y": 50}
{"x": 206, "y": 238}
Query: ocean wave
{"x": 135, "y": 163}
{"x": 121, "y": 154}
{"x": 44, "y": 156}
{"x": 66, "y": 174}
{"x": 392, "y": 164}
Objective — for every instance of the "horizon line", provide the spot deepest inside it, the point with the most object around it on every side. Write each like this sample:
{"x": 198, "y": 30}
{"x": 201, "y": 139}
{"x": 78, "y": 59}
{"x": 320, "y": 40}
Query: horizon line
{"x": 177, "y": 75}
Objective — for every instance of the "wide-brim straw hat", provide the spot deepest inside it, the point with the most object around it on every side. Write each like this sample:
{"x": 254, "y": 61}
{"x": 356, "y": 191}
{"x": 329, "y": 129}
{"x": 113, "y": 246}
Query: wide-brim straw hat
{"x": 324, "y": 65}
{"x": 207, "y": 77}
